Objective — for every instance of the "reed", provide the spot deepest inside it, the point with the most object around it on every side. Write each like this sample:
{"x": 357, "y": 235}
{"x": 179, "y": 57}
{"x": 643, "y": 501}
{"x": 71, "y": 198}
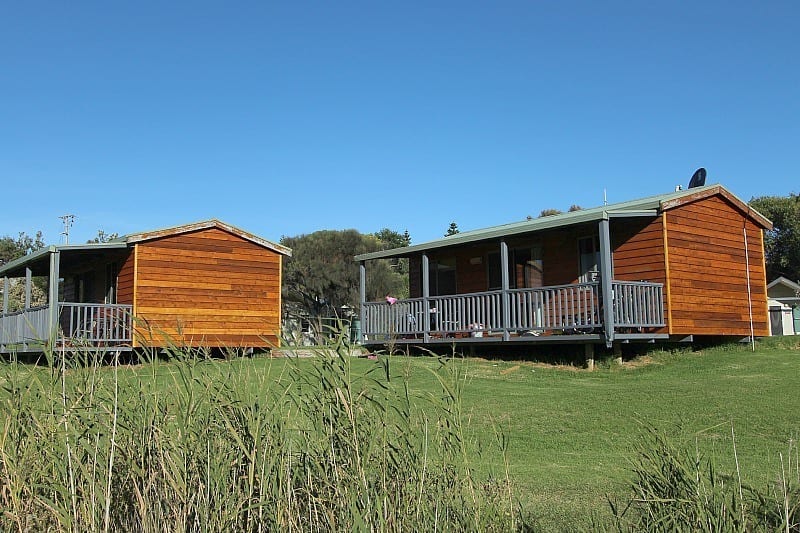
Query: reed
{"x": 201, "y": 444}
{"x": 676, "y": 488}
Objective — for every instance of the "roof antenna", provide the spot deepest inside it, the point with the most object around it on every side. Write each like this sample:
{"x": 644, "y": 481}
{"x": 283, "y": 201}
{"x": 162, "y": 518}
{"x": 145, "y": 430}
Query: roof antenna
{"x": 68, "y": 220}
{"x": 605, "y": 198}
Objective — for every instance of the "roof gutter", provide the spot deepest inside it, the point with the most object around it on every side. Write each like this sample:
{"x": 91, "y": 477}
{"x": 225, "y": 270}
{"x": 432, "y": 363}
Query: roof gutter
{"x": 534, "y": 226}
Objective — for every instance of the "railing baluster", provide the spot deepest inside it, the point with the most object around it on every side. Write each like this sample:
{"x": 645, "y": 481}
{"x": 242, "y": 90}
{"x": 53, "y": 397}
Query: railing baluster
{"x": 635, "y": 305}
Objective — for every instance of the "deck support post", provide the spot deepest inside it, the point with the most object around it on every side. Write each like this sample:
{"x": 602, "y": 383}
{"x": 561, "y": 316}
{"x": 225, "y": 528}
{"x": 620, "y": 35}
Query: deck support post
{"x": 617, "y": 353}
{"x": 52, "y": 299}
{"x": 362, "y": 298}
{"x": 605, "y": 282}
{"x": 505, "y": 285}
{"x": 588, "y": 351}
{"x": 426, "y": 294}
{"x": 28, "y": 279}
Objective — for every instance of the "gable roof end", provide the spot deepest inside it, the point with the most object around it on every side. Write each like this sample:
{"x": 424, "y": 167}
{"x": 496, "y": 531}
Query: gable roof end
{"x": 206, "y": 224}
{"x": 716, "y": 190}
{"x": 785, "y": 282}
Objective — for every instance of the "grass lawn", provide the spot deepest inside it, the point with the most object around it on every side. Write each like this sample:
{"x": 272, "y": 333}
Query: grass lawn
{"x": 571, "y": 432}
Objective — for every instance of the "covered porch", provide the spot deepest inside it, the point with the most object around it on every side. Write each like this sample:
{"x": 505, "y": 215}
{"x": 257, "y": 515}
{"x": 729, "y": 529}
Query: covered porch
{"x": 568, "y": 313}
{"x": 80, "y": 310}
{"x": 516, "y": 265}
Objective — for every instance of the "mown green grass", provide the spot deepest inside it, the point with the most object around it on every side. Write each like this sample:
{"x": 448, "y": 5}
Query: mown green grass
{"x": 572, "y": 433}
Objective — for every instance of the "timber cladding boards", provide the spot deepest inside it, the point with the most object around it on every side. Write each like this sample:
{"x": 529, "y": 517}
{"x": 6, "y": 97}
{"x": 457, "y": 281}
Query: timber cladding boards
{"x": 208, "y": 287}
{"x": 125, "y": 279}
{"x": 639, "y": 254}
{"x": 638, "y": 250}
{"x": 708, "y": 269}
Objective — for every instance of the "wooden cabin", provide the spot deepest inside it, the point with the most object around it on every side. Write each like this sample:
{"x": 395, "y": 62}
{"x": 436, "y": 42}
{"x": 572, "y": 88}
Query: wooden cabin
{"x": 669, "y": 267}
{"x": 207, "y": 284}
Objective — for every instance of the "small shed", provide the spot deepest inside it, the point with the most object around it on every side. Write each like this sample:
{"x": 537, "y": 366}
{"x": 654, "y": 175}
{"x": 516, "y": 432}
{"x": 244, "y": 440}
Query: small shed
{"x": 205, "y": 284}
{"x": 784, "y": 306}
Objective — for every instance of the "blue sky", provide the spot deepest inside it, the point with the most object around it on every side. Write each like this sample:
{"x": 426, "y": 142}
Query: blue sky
{"x": 289, "y": 117}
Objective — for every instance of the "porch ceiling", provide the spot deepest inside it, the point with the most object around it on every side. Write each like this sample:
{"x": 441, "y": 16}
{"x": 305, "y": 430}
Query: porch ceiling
{"x": 73, "y": 258}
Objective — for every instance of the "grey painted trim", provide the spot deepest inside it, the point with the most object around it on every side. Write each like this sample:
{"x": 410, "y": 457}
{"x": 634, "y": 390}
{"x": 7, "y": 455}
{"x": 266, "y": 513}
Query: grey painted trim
{"x": 26, "y": 259}
{"x": 784, "y": 281}
{"x": 426, "y": 294}
{"x": 6, "y": 288}
{"x": 504, "y": 286}
{"x": 362, "y": 293}
{"x": 633, "y": 213}
{"x": 28, "y": 280}
{"x": 606, "y": 277}
{"x": 55, "y": 261}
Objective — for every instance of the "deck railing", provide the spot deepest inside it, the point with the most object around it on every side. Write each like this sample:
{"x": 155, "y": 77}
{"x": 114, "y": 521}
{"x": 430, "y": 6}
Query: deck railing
{"x": 96, "y": 324}
{"x": 638, "y": 304}
{"x": 575, "y": 308}
{"x": 22, "y": 327}
{"x": 79, "y": 324}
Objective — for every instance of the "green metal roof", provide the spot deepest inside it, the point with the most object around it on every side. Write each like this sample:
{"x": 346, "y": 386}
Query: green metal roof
{"x": 648, "y": 206}
{"x": 18, "y": 265}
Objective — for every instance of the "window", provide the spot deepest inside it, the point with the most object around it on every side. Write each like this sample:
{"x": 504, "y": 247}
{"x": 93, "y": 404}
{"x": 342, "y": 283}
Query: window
{"x": 493, "y": 271}
{"x": 525, "y": 268}
{"x": 111, "y": 283}
{"x": 443, "y": 276}
{"x": 589, "y": 252}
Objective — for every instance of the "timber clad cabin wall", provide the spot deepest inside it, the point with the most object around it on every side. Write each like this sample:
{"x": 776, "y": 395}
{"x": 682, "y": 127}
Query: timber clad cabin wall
{"x": 559, "y": 260}
{"x": 707, "y": 268}
{"x": 125, "y": 280}
{"x": 208, "y": 288}
{"x": 638, "y": 252}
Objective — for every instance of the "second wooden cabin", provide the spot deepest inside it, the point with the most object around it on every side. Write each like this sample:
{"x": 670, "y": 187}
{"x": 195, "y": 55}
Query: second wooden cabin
{"x": 673, "y": 266}
{"x": 206, "y": 284}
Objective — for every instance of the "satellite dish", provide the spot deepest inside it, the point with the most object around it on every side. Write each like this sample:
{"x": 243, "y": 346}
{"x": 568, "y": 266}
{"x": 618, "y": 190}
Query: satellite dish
{"x": 698, "y": 178}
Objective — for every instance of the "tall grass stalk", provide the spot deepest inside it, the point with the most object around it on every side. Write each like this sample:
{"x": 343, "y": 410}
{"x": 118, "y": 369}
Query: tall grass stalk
{"x": 677, "y": 489}
{"x": 200, "y": 444}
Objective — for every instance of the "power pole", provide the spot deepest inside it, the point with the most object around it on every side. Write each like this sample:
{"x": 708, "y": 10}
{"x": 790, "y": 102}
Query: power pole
{"x": 68, "y": 220}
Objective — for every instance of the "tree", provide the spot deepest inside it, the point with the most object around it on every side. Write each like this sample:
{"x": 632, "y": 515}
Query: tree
{"x": 11, "y": 249}
{"x": 393, "y": 239}
{"x": 452, "y": 230}
{"x": 549, "y": 212}
{"x": 782, "y": 243}
{"x": 24, "y": 244}
{"x": 102, "y": 237}
{"x": 574, "y": 207}
{"x": 321, "y": 277}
